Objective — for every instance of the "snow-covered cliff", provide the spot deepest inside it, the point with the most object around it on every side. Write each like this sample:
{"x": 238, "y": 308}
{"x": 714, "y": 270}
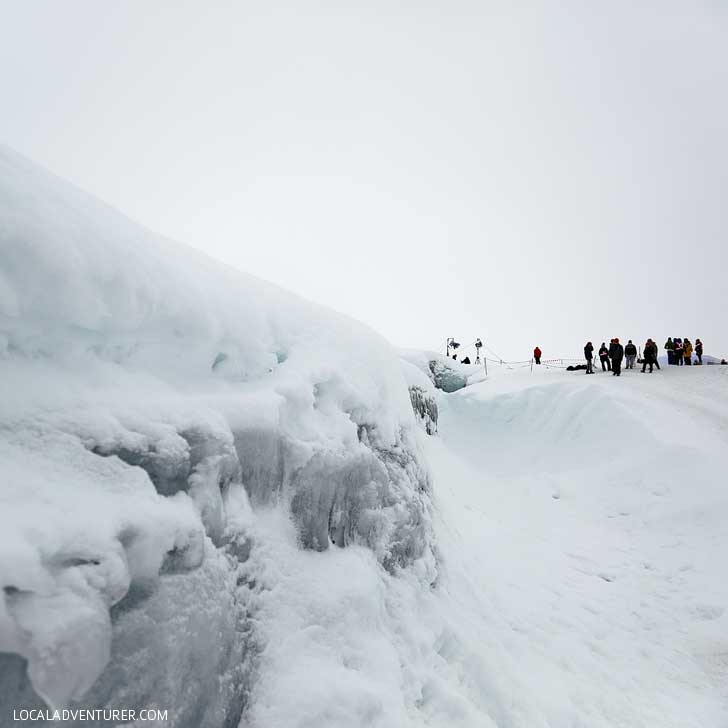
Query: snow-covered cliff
{"x": 154, "y": 405}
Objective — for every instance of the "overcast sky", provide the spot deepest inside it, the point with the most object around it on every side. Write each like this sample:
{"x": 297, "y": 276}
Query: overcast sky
{"x": 530, "y": 173}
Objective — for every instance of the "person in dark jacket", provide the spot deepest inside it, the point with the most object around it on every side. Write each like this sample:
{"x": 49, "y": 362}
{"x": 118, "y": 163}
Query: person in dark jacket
{"x": 589, "y": 356}
{"x": 630, "y": 354}
{"x": 537, "y": 355}
{"x": 604, "y": 358}
{"x": 678, "y": 352}
{"x": 670, "y": 349}
{"x": 649, "y": 356}
{"x": 616, "y": 354}
{"x": 699, "y": 350}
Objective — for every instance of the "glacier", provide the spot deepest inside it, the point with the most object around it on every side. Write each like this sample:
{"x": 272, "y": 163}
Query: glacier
{"x": 228, "y": 503}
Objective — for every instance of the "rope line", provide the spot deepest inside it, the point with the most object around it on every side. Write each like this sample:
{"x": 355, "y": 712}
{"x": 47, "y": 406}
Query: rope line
{"x": 556, "y": 363}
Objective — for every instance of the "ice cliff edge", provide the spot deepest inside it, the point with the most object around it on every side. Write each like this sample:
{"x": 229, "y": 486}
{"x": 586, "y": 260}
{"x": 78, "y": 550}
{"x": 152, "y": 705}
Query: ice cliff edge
{"x": 153, "y": 402}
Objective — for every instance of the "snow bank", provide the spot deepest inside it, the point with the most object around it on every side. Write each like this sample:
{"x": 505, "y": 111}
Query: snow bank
{"x": 140, "y": 381}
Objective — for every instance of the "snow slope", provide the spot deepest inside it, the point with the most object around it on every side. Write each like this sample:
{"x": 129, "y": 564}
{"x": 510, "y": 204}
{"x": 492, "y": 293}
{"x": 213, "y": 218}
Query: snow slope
{"x": 589, "y": 513}
{"x": 216, "y": 500}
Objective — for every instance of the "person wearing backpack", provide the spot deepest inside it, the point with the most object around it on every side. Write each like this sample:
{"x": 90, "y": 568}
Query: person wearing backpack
{"x": 688, "y": 352}
{"x": 616, "y": 354}
{"x": 604, "y": 358}
{"x": 537, "y": 355}
{"x": 630, "y": 354}
{"x": 699, "y": 350}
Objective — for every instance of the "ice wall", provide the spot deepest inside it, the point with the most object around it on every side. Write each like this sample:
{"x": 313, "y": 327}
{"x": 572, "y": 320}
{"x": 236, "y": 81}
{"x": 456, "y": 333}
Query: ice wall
{"x": 142, "y": 384}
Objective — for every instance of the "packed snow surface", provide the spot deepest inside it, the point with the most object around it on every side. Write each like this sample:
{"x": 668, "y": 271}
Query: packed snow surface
{"x": 222, "y": 501}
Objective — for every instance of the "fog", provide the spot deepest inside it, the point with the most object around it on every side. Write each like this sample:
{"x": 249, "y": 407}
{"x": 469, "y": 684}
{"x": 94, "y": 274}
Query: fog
{"x": 526, "y": 173}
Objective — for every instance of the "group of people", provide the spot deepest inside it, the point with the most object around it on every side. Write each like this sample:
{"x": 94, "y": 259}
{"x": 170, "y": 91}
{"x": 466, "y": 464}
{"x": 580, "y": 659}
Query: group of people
{"x": 679, "y": 351}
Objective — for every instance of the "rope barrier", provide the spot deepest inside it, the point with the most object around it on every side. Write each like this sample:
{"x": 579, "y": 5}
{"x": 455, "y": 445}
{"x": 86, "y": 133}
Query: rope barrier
{"x": 556, "y": 363}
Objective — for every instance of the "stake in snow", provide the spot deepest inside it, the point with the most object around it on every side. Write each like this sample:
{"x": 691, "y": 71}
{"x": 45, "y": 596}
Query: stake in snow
{"x": 225, "y": 502}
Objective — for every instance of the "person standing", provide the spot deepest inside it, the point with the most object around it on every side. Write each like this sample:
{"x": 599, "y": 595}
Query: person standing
{"x": 604, "y": 358}
{"x": 699, "y": 350}
{"x": 630, "y": 354}
{"x": 589, "y": 356}
{"x": 670, "y": 348}
{"x": 678, "y": 352}
{"x": 688, "y": 352}
{"x": 616, "y": 354}
{"x": 537, "y": 355}
{"x": 649, "y": 356}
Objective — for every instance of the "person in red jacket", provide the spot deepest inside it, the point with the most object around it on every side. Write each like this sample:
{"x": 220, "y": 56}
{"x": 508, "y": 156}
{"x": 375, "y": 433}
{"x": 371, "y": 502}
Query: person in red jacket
{"x": 537, "y": 355}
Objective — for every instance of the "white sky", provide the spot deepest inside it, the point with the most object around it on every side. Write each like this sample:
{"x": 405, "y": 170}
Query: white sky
{"x": 530, "y": 173}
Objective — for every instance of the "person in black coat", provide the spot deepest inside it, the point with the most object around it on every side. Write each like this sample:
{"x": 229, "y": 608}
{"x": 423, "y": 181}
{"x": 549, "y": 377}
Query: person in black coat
{"x": 649, "y": 356}
{"x": 589, "y": 356}
{"x": 604, "y": 358}
{"x": 699, "y": 350}
{"x": 678, "y": 354}
{"x": 616, "y": 354}
{"x": 630, "y": 354}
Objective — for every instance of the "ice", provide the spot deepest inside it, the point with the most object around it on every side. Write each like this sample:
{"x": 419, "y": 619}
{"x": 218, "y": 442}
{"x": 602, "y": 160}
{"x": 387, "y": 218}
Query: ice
{"x": 446, "y": 374}
{"x": 140, "y": 382}
{"x": 422, "y": 396}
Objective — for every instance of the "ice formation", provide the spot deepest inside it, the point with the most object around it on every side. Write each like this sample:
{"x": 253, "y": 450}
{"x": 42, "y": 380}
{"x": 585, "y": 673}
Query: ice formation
{"x": 142, "y": 383}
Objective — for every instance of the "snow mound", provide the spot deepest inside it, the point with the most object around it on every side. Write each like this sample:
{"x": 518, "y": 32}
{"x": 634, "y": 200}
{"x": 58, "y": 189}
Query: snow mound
{"x": 140, "y": 382}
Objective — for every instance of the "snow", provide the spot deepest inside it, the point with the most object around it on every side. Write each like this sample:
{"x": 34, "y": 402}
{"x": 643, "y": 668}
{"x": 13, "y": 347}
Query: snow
{"x": 579, "y": 530}
{"x": 223, "y": 501}
{"x": 140, "y": 382}
{"x": 590, "y": 535}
